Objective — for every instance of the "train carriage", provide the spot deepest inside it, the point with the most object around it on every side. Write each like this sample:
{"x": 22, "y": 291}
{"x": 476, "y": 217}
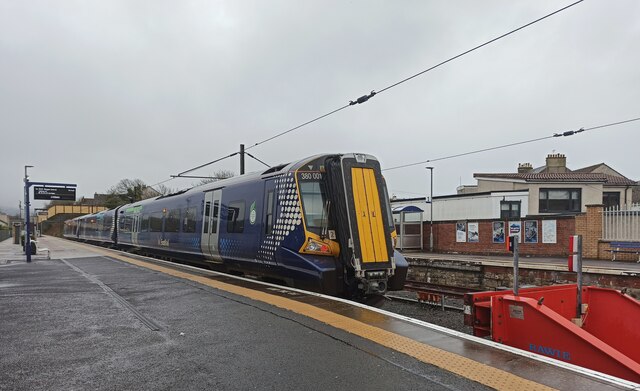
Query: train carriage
{"x": 322, "y": 223}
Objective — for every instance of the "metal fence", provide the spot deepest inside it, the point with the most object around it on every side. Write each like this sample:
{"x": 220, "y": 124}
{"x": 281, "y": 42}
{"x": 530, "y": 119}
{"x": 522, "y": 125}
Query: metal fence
{"x": 621, "y": 223}
{"x": 4, "y": 234}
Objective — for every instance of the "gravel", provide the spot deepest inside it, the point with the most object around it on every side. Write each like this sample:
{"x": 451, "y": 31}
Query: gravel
{"x": 428, "y": 313}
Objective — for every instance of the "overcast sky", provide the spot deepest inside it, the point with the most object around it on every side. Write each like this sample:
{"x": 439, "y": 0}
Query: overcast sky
{"x": 95, "y": 91}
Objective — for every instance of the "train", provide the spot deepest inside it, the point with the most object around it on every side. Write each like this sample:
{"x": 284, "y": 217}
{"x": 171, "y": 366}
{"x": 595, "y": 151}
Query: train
{"x": 322, "y": 223}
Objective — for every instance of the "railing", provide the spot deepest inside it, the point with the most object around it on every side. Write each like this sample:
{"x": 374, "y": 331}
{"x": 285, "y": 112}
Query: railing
{"x": 4, "y": 234}
{"x": 621, "y": 223}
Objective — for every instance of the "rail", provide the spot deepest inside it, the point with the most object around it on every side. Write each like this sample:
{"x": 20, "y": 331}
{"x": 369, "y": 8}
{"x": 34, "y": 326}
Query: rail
{"x": 435, "y": 294}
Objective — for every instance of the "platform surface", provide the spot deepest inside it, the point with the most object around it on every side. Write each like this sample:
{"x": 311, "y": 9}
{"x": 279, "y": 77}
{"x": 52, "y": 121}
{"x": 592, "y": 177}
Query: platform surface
{"x": 89, "y": 320}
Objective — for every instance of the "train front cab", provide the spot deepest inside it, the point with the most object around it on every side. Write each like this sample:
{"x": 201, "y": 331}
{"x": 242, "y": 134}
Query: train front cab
{"x": 346, "y": 213}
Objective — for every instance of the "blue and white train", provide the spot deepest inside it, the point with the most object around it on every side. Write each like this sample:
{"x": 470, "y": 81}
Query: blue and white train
{"x": 322, "y": 223}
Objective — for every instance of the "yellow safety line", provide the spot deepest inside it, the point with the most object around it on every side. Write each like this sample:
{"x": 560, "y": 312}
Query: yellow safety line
{"x": 465, "y": 367}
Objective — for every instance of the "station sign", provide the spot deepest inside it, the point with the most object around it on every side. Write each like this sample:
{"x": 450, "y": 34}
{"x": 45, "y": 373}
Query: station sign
{"x": 54, "y": 193}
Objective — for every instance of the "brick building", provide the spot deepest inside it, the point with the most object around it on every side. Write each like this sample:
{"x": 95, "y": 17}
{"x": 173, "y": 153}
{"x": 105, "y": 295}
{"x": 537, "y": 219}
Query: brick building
{"x": 543, "y": 206}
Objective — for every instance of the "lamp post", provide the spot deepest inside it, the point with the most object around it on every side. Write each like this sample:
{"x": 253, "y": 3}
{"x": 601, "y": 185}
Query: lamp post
{"x": 431, "y": 214}
{"x": 27, "y": 236}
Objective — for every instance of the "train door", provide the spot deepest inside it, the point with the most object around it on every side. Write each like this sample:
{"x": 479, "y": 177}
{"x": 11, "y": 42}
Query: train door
{"x": 211, "y": 225}
{"x": 135, "y": 225}
{"x": 269, "y": 217}
{"x": 368, "y": 211}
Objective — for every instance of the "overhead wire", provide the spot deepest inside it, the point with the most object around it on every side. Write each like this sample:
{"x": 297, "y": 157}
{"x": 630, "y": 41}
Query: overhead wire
{"x": 555, "y": 135}
{"x": 366, "y": 97}
{"x": 255, "y": 158}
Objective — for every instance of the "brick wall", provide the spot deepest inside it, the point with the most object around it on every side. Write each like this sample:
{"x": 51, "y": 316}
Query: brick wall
{"x": 444, "y": 238}
{"x": 486, "y": 277}
{"x": 589, "y": 225}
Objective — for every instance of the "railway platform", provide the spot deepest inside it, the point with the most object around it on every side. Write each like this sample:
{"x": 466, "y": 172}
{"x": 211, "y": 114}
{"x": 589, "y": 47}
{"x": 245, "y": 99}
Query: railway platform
{"x": 541, "y": 263}
{"x": 93, "y": 318}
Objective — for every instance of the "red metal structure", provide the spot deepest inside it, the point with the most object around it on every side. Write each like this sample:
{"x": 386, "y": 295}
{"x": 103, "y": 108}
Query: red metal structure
{"x": 606, "y": 338}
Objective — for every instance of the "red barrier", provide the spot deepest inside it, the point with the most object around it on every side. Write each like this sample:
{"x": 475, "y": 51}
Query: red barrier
{"x": 614, "y": 318}
{"x": 540, "y": 320}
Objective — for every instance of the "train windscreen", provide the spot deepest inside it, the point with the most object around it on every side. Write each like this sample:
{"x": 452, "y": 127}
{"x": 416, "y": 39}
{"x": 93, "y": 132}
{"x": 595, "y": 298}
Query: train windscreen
{"x": 313, "y": 195}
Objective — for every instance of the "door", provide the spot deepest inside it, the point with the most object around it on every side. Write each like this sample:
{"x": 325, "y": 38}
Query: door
{"x": 267, "y": 251}
{"x": 368, "y": 213}
{"x": 211, "y": 225}
{"x": 135, "y": 228}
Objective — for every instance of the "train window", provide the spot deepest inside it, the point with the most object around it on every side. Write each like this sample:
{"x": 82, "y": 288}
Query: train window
{"x": 235, "y": 217}
{"x": 268, "y": 228}
{"x": 312, "y": 195}
{"x": 144, "y": 223}
{"x": 155, "y": 222}
{"x": 214, "y": 221}
{"x": 189, "y": 220}
{"x": 387, "y": 206}
{"x": 108, "y": 222}
{"x": 207, "y": 210}
{"x": 172, "y": 222}
{"x": 125, "y": 224}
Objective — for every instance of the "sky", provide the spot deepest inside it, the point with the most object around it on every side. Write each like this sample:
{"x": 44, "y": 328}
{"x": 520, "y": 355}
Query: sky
{"x": 92, "y": 92}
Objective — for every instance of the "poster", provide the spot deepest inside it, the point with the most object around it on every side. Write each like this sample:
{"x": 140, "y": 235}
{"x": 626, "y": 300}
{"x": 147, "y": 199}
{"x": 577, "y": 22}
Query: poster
{"x": 498, "y": 232}
{"x": 461, "y": 232}
{"x": 548, "y": 231}
{"x": 515, "y": 229}
{"x": 531, "y": 231}
{"x": 474, "y": 236}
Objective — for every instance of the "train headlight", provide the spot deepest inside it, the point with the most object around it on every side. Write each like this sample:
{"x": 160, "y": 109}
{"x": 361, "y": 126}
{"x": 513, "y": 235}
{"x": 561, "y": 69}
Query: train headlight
{"x": 314, "y": 246}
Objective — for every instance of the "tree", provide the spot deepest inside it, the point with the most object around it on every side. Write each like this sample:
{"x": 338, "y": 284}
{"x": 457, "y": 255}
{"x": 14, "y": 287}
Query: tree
{"x": 164, "y": 190}
{"x": 218, "y": 175}
{"x": 128, "y": 191}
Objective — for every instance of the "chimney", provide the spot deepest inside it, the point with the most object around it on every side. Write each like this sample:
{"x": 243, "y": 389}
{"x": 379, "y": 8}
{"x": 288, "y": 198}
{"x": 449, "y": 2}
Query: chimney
{"x": 524, "y": 168}
{"x": 556, "y": 163}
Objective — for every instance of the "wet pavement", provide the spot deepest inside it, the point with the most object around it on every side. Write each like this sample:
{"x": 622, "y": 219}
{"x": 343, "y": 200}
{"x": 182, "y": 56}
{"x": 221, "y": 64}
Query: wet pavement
{"x": 78, "y": 322}
{"x": 86, "y": 320}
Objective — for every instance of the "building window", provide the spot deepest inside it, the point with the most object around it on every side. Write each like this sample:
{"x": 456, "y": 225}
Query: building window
{"x": 611, "y": 198}
{"x": 560, "y": 200}
{"x": 509, "y": 210}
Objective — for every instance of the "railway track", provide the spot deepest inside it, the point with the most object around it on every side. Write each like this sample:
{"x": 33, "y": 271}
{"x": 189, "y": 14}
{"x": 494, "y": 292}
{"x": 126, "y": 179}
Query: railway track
{"x": 434, "y": 294}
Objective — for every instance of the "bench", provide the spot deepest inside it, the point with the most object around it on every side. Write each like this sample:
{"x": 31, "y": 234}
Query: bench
{"x": 624, "y": 247}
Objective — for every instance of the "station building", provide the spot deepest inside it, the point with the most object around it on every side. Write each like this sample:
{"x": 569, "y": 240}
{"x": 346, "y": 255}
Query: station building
{"x": 543, "y": 206}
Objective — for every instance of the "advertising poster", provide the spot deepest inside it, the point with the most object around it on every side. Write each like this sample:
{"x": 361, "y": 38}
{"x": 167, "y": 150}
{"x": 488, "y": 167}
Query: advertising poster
{"x": 548, "y": 231}
{"x": 474, "y": 236}
{"x": 515, "y": 228}
{"x": 461, "y": 232}
{"x": 531, "y": 231}
{"x": 498, "y": 232}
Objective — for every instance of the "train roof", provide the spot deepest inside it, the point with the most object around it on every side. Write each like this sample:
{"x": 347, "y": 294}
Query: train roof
{"x": 276, "y": 170}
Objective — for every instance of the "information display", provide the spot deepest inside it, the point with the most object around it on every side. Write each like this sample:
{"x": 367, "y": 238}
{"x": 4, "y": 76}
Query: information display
{"x": 54, "y": 193}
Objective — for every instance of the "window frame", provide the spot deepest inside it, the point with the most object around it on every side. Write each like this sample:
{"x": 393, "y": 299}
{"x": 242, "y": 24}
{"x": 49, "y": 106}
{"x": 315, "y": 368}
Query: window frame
{"x": 574, "y": 205}
{"x": 189, "y": 220}
{"x": 607, "y": 196}
{"x": 172, "y": 221}
{"x": 269, "y": 212}
{"x": 235, "y": 221}
{"x": 508, "y": 214}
